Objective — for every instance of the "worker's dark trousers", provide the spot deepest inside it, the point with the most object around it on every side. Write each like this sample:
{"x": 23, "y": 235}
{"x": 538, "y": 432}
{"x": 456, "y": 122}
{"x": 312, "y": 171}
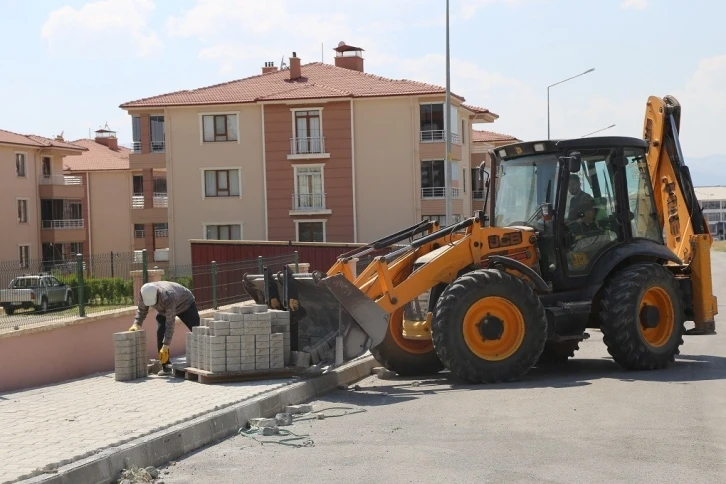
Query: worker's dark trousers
{"x": 190, "y": 318}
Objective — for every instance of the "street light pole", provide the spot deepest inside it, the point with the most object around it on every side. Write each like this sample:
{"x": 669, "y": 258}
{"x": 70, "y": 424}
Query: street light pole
{"x": 603, "y": 129}
{"x": 548, "y": 95}
{"x": 447, "y": 114}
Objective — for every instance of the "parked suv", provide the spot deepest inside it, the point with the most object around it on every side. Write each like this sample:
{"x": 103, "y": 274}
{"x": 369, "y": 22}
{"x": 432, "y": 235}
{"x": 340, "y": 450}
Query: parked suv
{"x": 40, "y": 292}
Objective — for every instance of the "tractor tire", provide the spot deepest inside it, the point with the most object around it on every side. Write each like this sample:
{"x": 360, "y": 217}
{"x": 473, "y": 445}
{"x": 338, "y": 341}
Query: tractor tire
{"x": 406, "y": 357}
{"x": 623, "y": 316}
{"x": 489, "y": 327}
{"x": 558, "y": 352}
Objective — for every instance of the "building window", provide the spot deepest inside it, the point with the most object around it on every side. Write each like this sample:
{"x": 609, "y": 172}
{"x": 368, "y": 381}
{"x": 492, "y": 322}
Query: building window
{"x": 312, "y": 231}
{"x": 219, "y": 127}
{"x": 24, "y": 253}
{"x": 224, "y": 232}
{"x": 433, "y": 179}
{"x": 309, "y": 187}
{"x": 308, "y": 132}
{"x": 711, "y": 205}
{"x": 139, "y": 231}
{"x": 713, "y": 217}
{"x": 46, "y": 165}
{"x": 22, "y": 211}
{"x": 433, "y": 123}
{"x": 221, "y": 183}
{"x": 136, "y": 133}
{"x": 20, "y": 164}
{"x": 161, "y": 230}
{"x": 463, "y": 130}
{"x": 76, "y": 248}
{"x": 156, "y": 130}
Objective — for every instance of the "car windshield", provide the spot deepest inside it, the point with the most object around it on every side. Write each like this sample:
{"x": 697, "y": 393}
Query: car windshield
{"x": 523, "y": 185}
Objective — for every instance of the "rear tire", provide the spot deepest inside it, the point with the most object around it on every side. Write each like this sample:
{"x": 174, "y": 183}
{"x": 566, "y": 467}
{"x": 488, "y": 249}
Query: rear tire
{"x": 406, "y": 357}
{"x": 558, "y": 352}
{"x": 621, "y": 317}
{"x": 9, "y": 311}
{"x": 489, "y": 327}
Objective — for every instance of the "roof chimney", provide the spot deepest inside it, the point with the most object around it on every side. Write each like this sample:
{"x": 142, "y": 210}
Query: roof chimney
{"x": 349, "y": 57}
{"x": 107, "y": 138}
{"x": 269, "y": 67}
{"x": 295, "y": 70}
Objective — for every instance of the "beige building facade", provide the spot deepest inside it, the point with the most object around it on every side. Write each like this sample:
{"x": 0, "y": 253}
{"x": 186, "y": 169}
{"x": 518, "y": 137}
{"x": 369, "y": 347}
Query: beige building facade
{"x": 312, "y": 152}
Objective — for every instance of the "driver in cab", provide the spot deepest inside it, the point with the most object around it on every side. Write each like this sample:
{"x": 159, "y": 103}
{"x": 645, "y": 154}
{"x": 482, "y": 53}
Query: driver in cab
{"x": 582, "y": 205}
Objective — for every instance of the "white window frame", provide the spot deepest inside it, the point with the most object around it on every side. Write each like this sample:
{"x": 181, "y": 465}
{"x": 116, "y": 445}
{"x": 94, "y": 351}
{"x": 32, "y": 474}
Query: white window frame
{"x": 295, "y": 167}
{"x": 307, "y": 156}
{"x": 208, "y": 224}
{"x": 202, "y": 171}
{"x": 20, "y": 259}
{"x": 25, "y": 163}
{"x": 316, "y": 220}
{"x": 27, "y": 209}
{"x": 217, "y": 113}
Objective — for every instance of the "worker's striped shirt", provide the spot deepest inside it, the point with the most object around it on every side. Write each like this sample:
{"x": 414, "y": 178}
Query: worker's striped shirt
{"x": 173, "y": 299}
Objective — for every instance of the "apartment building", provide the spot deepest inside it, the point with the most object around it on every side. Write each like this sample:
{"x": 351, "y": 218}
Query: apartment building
{"x": 121, "y": 200}
{"x": 312, "y": 152}
{"x": 44, "y": 211}
{"x": 713, "y": 203}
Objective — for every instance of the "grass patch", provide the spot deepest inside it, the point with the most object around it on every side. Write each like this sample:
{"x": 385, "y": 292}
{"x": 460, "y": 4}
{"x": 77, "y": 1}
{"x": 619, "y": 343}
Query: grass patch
{"x": 719, "y": 245}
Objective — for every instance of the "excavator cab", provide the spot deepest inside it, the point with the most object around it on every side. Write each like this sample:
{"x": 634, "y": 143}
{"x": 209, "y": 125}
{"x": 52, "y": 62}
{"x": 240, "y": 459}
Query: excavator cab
{"x": 583, "y": 233}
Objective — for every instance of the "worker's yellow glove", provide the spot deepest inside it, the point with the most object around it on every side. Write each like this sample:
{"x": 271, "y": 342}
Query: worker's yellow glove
{"x": 164, "y": 355}
{"x": 134, "y": 327}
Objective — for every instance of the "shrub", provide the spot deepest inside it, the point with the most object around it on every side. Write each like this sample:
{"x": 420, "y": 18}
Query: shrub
{"x": 103, "y": 291}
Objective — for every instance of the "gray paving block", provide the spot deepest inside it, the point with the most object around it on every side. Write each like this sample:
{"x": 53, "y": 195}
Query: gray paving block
{"x": 243, "y": 309}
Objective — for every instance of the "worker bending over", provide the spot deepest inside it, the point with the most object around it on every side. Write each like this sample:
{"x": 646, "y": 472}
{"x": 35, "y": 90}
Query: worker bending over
{"x": 170, "y": 300}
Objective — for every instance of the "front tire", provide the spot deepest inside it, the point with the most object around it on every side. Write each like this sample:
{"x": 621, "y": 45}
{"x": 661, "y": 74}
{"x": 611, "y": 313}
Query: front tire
{"x": 642, "y": 317}
{"x": 406, "y": 357}
{"x": 489, "y": 327}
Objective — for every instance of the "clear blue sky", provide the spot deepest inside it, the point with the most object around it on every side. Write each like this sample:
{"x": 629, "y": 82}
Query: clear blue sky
{"x": 76, "y": 61}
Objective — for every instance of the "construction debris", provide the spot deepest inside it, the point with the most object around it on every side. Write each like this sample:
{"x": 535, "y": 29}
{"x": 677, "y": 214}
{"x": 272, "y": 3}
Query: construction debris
{"x": 298, "y": 409}
{"x": 138, "y": 475}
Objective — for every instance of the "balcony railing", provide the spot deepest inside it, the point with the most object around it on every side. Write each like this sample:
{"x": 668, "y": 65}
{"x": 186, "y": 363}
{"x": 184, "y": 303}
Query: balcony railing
{"x": 161, "y": 233}
{"x": 439, "y": 192}
{"x": 308, "y": 201}
{"x": 438, "y": 136}
{"x": 139, "y": 234}
{"x": 60, "y": 180}
{"x": 136, "y": 146}
{"x": 68, "y": 224}
{"x": 307, "y": 146}
{"x": 158, "y": 146}
{"x": 477, "y": 194}
{"x": 161, "y": 200}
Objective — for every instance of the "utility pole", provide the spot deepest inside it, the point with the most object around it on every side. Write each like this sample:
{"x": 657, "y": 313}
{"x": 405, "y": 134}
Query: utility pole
{"x": 447, "y": 114}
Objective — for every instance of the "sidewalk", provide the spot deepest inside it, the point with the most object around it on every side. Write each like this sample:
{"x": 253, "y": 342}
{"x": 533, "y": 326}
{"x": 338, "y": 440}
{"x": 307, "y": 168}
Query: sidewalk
{"x": 55, "y": 425}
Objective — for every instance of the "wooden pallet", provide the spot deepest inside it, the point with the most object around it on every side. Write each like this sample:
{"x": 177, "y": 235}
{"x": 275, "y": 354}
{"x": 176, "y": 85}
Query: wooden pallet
{"x": 195, "y": 374}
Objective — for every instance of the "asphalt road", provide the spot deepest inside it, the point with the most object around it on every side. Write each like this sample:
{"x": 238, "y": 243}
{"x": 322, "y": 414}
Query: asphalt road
{"x": 588, "y": 421}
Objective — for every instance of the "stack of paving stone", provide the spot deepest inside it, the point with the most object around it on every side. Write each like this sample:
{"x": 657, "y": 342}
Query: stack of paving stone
{"x": 244, "y": 338}
{"x": 130, "y": 355}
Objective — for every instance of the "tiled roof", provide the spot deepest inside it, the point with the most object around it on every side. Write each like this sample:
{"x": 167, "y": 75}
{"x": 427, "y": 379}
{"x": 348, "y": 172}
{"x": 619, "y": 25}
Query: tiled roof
{"x": 317, "y": 81}
{"x": 484, "y": 136}
{"x": 98, "y": 157}
{"x": 8, "y": 137}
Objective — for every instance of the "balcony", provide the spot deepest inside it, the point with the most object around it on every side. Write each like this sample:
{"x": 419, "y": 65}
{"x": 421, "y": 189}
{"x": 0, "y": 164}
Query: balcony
{"x": 60, "y": 186}
{"x": 439, "y": 192}
{"x": 309, "y": 204}
{"x": 160, "y": 200}
{"x": 136, "y": 146}
{"x": 158, "y": 146}
{"x": 438, "y": 136}
{"x": 307, "y": 148}
{"x": 154, "y": 159}
{"x": 63, "y": 231}
{"x": 477, "y": 194}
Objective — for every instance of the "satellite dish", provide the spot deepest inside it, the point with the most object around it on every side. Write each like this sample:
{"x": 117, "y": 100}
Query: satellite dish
{"x": 341, "y": 43}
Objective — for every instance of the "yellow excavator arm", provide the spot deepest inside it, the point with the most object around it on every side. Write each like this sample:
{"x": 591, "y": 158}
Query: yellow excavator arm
{"x": 686, "y": 231}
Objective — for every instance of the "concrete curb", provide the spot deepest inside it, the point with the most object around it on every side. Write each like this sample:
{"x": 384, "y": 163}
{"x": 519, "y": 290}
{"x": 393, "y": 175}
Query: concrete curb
{"x": 174, "y": 442}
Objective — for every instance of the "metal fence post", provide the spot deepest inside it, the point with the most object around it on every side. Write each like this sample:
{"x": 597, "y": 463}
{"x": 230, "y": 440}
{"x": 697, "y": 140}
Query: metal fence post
{"x": 297, "y": 262}
{"x": 144, "y": 267}
{"x": 260, "y": 264}
{"x": 112, "y": 272}
{"x": 81, "y": 284}
{"x": 214, "y": 284}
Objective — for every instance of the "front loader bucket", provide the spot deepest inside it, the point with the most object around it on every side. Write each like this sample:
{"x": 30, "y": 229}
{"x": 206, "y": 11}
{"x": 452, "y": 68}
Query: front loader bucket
{"x": 324, "y": 308}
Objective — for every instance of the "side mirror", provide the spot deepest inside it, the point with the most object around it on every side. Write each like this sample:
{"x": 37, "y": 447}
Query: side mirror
{"x": 575, "y": 162}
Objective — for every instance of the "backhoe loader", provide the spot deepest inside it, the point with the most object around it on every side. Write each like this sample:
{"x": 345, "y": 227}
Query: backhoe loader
{"x": 601, "y": 232}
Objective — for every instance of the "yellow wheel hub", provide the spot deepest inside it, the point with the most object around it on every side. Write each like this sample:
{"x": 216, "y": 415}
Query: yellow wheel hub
{"x": 656, "y": 317}
{"x": 417, "y": 346}
{"x": 493, "y": 328}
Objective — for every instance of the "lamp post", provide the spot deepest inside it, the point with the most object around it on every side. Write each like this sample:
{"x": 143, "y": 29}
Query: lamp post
{"x": 548, "y": 95}
{"x": 603, "y": 129}
{"x": 447, "y": 114}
